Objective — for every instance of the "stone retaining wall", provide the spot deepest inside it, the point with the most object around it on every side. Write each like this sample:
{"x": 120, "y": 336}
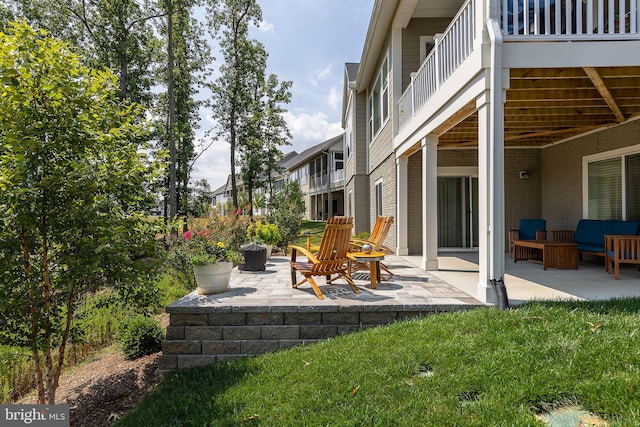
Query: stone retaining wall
{"x": 207, "y": 335}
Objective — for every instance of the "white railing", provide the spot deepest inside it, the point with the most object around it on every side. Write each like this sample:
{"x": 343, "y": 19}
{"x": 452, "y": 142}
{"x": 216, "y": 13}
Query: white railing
{"x": 320, "y": 181}
{"x": 569, "y": 18}
{"x": 451, "y": 48}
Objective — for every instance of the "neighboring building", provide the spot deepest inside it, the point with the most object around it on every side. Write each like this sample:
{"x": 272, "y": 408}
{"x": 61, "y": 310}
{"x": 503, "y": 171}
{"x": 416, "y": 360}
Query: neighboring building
{"x": 320, "y": 172}
{"x": 464, "y": 116}
{"x": 222, "y": 199}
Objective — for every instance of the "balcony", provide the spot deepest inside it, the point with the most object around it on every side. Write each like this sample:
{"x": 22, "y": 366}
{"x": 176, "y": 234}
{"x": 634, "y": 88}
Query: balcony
{"x": 540, "y": 20}
{"x": 319, "y": 182}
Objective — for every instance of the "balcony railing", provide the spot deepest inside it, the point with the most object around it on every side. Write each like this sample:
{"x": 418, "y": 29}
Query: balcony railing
{"x": 569, "y": 18}
{"x": 539, "y": 20}
{"x": 451, "y": 48}
{"x": 320, "y": 181}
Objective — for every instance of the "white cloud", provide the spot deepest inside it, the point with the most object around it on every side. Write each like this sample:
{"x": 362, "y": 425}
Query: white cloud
{"x": 265, "y": 27}
{"x": 334, "y": 99}
{"x": 310, "y": 129}
{"x": 213, "y": 165}
{"x": 324, "y": 73}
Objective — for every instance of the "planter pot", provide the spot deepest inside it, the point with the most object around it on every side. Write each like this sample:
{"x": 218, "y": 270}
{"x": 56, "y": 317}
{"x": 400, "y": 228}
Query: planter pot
{"x": 255, "y": 258}
{"x": 269, "y": 249}
{"x": 213, "y": 278}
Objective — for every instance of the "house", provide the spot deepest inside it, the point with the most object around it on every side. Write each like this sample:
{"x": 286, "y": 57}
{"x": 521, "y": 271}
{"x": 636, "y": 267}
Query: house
{"x": 464, "y": 116}
{"x": 320, "y": 172}
{"x": 222, "y": 198}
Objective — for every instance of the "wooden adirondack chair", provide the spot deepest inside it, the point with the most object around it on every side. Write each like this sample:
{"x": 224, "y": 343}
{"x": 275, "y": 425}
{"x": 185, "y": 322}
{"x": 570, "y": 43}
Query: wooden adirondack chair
{"x": 376, "y": 240}
{"x": 332, "y": 220}
{"x": 331, "y": 258}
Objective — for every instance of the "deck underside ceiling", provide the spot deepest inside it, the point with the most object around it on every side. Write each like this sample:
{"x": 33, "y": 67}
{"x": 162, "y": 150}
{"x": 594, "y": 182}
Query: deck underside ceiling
{"x": 545, "y": 105}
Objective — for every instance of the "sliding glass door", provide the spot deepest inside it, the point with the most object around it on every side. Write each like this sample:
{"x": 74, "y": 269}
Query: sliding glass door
{"x": 457, "y": 212}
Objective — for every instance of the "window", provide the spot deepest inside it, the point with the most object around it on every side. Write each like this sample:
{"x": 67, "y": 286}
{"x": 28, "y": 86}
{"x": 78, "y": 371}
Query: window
{"x": 338, "y": 161}
{"x": 427, "y": 43}
{"x": 379, "y": 99}
{"x": 378, "y": 201}
{"x": 613, "y": 185}
{"x": 348, "y": 135}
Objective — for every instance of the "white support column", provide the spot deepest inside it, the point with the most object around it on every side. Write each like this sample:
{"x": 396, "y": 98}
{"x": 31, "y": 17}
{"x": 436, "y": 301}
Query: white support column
{"x": 484, "y": 205}
{"x": 490, "y": 107}
{"x": 430, "y": 202}
{"x": 402, "y": 209}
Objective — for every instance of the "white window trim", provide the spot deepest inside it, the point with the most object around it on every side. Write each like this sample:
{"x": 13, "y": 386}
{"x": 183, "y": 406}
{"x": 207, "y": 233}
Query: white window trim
{"x": 375, "y": 201}
{"x": 423, "y": 48}
{"x": 620, "y": 152}
{"x": 373, "y": 135}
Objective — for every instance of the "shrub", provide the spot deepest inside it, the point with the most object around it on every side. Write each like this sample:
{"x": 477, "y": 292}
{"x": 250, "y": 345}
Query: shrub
{"x": 269, "y": 234}
{"x": 287, "y": 212}
{"x": 139, "y": 336}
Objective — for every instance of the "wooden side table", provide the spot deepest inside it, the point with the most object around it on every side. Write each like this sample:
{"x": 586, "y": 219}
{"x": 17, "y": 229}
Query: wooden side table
{"x": 373, "y": 258}
{"x": 552, "y": 254}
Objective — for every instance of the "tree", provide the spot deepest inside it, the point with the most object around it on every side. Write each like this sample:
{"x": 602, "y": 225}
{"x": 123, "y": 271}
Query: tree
{"x": 275, "y": 131}
{"x": 233, "y": 92}
{"x": 200, "y": 199}
{"x": 263, "y": 132}
{"x": 287, "y": 212}
{"x": 187, "y": 59}
{"x": 72, "y": 189}
{"x": 116, "y": 34}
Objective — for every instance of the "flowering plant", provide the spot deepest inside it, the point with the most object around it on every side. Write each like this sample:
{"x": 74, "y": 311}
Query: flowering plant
{"x": 204, "y": 249}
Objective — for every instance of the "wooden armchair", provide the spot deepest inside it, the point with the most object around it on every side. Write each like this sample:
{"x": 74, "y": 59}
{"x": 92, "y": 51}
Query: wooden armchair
{"x": 331, "y": 258}
{"x": 376, "y": 240}
{"x": 621, "y": 249}
{"x": 528, "y": 229}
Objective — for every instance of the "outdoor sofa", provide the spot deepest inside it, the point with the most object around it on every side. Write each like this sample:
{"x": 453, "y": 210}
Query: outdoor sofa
{"x": 590, "y": 235}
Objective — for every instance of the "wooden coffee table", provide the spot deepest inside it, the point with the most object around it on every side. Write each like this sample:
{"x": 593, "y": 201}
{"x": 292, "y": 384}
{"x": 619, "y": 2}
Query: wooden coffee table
{"x": 373, "y": 258}
{"x": 552, "y": 254}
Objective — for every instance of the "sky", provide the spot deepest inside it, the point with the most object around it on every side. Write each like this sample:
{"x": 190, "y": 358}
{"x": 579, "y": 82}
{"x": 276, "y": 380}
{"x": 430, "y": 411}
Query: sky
{"x": 308, "y": 42}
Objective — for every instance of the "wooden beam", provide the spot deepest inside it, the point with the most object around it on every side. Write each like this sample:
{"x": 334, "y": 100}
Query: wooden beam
{"x": 456, "y": 118}
{"x": 550, "y": 133}
{"x": 605, "y": 93}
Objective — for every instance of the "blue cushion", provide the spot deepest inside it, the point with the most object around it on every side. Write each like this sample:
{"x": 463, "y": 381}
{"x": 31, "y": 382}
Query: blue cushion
{"x": 528, "y": 228}
{"x": 633, "y": 256}
{"x": 592, "y": 231}
{"x": 590, "y": 247}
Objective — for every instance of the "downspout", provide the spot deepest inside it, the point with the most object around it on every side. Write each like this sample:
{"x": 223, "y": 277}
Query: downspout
{"x": 496, "y": 170}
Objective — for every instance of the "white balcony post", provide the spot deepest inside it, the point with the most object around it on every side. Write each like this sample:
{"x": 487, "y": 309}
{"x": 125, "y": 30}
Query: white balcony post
{"x": 402, "y": 208}
{"x": 430, "y": 202}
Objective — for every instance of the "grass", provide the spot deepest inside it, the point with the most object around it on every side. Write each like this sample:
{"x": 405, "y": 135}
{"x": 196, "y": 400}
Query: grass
{"x": 315, "y": 228}
{"x": 479, "y": 368}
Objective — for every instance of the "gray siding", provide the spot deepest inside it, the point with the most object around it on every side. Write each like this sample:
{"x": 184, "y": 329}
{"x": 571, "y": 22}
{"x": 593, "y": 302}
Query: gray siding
{"x": 387, "y": 171}
{"x": 381, "y": 147}
{"x": 411, "y": 43}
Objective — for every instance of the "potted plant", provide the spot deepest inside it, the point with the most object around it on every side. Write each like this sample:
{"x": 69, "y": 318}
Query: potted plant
{"x": 212, "y": 261}
{"x": 265, "y": 234}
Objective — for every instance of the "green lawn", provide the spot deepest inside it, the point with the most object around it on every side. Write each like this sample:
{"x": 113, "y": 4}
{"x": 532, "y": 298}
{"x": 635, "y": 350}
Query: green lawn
{"x": 315, "y": 228}
{"x": 479, "y": 368}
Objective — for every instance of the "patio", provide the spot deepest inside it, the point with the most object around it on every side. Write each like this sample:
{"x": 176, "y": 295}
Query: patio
{"x": 262, "y": 312}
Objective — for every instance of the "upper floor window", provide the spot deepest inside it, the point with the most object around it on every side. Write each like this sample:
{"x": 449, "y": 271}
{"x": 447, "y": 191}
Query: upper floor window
{"x": 427, "y": 44}
{"x": 348, "y": 135}
{"x": 338, "y": 161}
{"x": 379, "y": 99}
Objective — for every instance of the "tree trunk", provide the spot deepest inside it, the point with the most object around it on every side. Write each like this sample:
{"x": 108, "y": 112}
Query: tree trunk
{"x": 173, "y": 201}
